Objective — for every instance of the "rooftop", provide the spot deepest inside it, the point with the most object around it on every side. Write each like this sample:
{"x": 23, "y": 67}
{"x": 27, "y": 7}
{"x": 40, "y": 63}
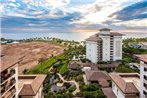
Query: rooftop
{"x": 30, "y": 84}
{"x": 108, "y": 92}
{"x": 142, "y": 57}
{"x": 144, "y": 43}
{"x": 97, "y": 75}
{"x": 8, "y": 61}
{"x": 127, "y": 82}
{"x": 96, "y": 37}
{"x": 74, "y": 65}
{"x": 104, "y": 29}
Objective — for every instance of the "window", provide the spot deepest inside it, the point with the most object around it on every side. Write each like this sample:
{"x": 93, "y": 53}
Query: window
{"x": 145, "y": 77}
{"x": 145, "y": 69}
{"x": 145, "y": 93}
{"x": 117, "y": 91}
{"x": 145, "y": 85}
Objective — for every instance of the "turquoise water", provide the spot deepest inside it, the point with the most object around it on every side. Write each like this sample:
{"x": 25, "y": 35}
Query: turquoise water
{"x": 67, "y": 36}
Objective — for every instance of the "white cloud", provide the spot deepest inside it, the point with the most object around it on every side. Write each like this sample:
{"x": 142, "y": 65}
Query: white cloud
{"x": 99, "y": 11}
{"x": 57, "y": 3}
{"x": 1, "y": 8}
{"x": 133, "y": 23}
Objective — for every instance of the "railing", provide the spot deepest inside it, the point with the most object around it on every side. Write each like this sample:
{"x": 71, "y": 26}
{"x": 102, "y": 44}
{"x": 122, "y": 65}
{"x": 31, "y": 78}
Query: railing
{"x": 5, "y": 76}
{"x": 12, "y": 93}
{"x": 5, "y": 88}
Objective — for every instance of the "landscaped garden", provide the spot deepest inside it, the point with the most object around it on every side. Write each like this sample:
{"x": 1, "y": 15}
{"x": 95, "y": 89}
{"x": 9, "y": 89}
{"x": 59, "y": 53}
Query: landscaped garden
{"x": 54, "y": 87}
{"x": 90, "y": 91}
{"x": 132, "y": 50}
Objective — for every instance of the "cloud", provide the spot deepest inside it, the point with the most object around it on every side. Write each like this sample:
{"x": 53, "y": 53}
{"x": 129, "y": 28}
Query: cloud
{"x": 73, "y": 15}
{"x": 134, "y": 11}
{"x": 132, "y": 23}
{"x": 98, "y": 12}
{"x": 56, "y": 24}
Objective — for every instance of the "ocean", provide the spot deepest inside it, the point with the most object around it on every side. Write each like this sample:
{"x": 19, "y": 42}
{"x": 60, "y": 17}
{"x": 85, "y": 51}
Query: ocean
{"x": 66, "y": 36}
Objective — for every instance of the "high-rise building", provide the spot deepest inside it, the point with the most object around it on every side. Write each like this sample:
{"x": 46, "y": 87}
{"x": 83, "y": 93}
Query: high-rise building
{"x": 9, "y": 77}
{"x": 143, "y": 75}
{"x": 104, "y": 46}
{"x": 14, "y": 86}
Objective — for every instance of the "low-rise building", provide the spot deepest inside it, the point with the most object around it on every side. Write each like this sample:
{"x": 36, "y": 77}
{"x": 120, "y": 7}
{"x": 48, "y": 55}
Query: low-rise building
{"x": 126, "y": 85}
{"x": 143, "y": 45}
{"x": 74, "y": 66}
{"x": 134, "y": 65}
{"x": 100, "y": 77}
{"x": 31, "y": 86}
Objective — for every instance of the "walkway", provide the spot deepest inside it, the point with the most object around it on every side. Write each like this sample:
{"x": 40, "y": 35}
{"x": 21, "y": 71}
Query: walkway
{"x": 72, "y": 81}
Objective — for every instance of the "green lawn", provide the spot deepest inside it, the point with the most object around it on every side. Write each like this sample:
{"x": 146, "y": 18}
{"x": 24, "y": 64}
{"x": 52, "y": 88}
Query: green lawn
{"x": 131, "y": 50}
{"x": 124, "y": 69}
{"x": 43, "y": 68}
{"x": 64, "y": 68}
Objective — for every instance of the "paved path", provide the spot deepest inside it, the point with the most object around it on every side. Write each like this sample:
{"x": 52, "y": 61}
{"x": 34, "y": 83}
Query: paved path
{"x": 72, "y": 81}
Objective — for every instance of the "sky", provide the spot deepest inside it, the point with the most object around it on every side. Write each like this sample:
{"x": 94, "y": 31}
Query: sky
{"x": 73, "y": 15}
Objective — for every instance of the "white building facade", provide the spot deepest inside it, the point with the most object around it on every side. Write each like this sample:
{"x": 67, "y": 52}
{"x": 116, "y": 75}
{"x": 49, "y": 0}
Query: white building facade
{"x": 143, "y": 79}
{"x": 118, "y": 93}
{"x": 104, "y": 46}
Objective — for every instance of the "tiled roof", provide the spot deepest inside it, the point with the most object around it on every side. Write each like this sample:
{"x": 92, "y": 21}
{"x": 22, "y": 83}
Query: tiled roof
{"x": 104, "y": 29}
{"x": 126, "y": 87}
{"x": 96, "y": 75}
{"x": 142, "y": 57}
{"x": 9, "y": 61}
{"x": 94, "y": 38}
{"x": 74, "y": 65}
{"x": 108, "y": 92}
{"x": 27, "y": 90}
{"x": 33, "y": 87}
{"x": 104, "y": 83}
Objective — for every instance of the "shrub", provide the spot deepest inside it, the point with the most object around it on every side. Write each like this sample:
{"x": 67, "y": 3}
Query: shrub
{"x": 72, "y": 88}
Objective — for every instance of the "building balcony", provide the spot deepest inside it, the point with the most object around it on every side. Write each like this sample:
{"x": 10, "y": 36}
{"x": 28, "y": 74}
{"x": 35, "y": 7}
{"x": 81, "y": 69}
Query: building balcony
{"x": 2, "y": 91}
{"x": 11, "y": 93}
{"x": 145, "y": 77}
{"x": 145, "y": 86}
{"x": 6, "y": 75}
{"x": 8, "y": 85}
